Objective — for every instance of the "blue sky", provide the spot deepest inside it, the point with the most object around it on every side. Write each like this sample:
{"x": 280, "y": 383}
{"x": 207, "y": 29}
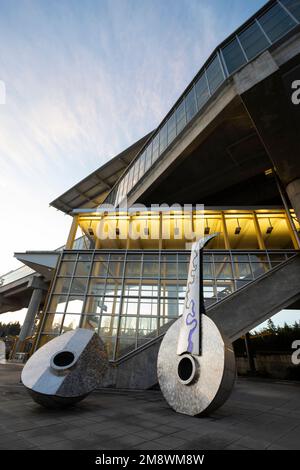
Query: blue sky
{"x": 85, "y": 79}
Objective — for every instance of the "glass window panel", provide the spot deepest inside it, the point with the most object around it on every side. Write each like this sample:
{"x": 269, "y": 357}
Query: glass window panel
{"x": 276, "y": 22}
{"x": 163, "y": 138}
{"x": 135, "y": 172}
{"x": 180, "y": 117}
{"x": 94, "y": 304}
{"x": 84, "y": 257}
{"x": 253, "y": 40}
{"x": 209, "y": 290}
{"x": 62, "y": 285}
{"x": 113, "y": 287}
{"x": 111, "y": 306}
{"x": 142, "y": 165}
{"x": 171, "y": 128}
{"x": 99, "y": 268}
{"x": 129, "y": 306}
{"x": 150, "y": 269}
{"x": 223, "y": 270}
{"x": 208, "y": 270}
{"x": 82, "y": 268}
{"x": 90, "y": 322}
{"x": 108, "y": 326}
{"x": 69, "y": 257}
{"x": 147, "y": 327}
{"x": 181, "y": 290}
{"x": 128, "y": 326}
{"x": 214, "y": 74}
{"x": 148, "y": 162}
{"x": 155, "y": 148}
{"x": 125, "y": 346}
{"x": 149, "y": 290}
{"x": 225, "y": 289}
{"x": 71, "y": 322}
{"x": 242, "y": 271}
{"x": 202, "y": 92}
{"x": 164, "y": 323}
{"x": 169, "y": 308}
{"x": 259, "y": 268}
{"x": 169, "y": 290}
{"x": 244, "y": 258}
{"x": 58, "y": 303}
{"x": 183, "y": 269}
{"x": 151, "y": 257}
{"x": 148, "y": 307}
{"x": 75, "y": 304}
{"x": 66, "y": 268}
{"x": 78, "y": 285}
{"x": 131, "y": 288}
{"x": 277, "y": 257}
{"x": 53, "y": 323}
{"x": 96, "y": 286}
{"x": 133, "y": 269}
{"x": 115, "y": 269}
{"x": 233, "y": 56}
{"x": 293, "y": 6}
{"x": 169, "y": 270}
{"x": 183, "y": 258}
{"x": 191, "y": 104}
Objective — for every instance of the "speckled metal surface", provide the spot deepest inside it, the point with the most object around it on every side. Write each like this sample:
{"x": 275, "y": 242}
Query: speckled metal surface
{"x": 216, "y": 368}
{"x": 60, "y": 386}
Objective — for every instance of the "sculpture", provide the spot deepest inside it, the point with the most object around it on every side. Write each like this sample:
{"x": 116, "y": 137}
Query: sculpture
{"x": 196, "y": 364}
{"x": 66, "y": 369}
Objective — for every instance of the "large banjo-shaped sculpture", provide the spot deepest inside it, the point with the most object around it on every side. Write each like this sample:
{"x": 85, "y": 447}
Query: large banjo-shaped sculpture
{"x": 196, "y": 364}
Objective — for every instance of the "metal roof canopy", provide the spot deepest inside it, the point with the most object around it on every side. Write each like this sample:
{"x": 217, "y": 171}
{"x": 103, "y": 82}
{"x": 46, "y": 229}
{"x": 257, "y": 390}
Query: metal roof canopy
{"x": 89, "y": 191}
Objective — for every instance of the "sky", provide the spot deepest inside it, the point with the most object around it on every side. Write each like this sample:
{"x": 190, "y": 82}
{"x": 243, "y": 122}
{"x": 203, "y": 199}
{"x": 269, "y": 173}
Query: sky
{"x": 84, "y": 79}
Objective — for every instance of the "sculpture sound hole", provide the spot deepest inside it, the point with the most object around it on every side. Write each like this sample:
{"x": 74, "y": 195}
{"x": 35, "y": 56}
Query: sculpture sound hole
{"x": 187, "y": 370}
{"x": 63, "y": 359}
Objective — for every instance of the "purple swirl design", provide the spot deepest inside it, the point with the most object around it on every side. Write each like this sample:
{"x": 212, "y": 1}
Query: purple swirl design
{"x": 191, "y": 320}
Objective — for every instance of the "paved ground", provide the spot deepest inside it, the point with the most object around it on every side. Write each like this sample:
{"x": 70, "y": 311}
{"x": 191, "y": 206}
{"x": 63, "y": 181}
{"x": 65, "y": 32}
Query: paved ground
{"x": 259, "y": 415}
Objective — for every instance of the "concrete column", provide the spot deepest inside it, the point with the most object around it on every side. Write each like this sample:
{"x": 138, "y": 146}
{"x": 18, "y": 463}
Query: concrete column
{"x": 293, "y": 191}
{"x": 32, "y": 311}
{"x": 39, "y": 287}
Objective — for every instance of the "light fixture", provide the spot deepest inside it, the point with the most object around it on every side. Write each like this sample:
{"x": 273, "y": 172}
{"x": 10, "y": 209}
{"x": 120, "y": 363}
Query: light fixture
{"x": 176, "y": 229}
{"x": 270, "y": 228}
{"x": 207, "y": 228}
{"x": 238, "y": 228}
{"x": 146, "y": 229}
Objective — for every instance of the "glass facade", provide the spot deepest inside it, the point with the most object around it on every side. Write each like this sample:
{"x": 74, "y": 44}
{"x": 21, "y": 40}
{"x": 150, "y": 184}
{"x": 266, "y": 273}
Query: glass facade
{"x": 130, "y": 298}
{"x": 255, "y": 37}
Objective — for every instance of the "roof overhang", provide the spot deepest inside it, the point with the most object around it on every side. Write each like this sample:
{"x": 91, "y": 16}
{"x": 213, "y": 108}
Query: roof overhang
{"x": 43, "y": 262}
{"x": 92, "y": 190}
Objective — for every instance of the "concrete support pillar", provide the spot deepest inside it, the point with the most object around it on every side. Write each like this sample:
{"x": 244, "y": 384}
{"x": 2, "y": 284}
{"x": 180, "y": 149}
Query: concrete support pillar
{"x": 39, "y": 288}
{"x": 32, "y": 311}
{"x": 293, "y": 191}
